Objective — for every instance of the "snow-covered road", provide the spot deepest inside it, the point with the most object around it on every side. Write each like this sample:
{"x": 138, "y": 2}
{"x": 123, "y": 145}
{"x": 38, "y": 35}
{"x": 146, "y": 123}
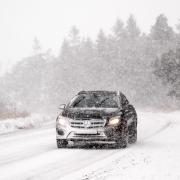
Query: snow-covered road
{"x": 32, "y": 154}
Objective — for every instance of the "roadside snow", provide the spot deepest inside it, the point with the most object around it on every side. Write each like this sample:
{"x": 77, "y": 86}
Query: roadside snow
{"x": 35, "y": 120}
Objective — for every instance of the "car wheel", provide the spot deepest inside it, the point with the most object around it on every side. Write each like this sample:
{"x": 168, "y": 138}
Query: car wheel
{"x": 132, "y": 138}
{"x": 122, "y": 143}
{"x": 122, "y": 140}
{"x": 61, "y": 143}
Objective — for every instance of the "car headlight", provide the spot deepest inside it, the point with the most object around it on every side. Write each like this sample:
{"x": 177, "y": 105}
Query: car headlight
{"x": 62, "y": 121}
{"x": 114, "y": 120}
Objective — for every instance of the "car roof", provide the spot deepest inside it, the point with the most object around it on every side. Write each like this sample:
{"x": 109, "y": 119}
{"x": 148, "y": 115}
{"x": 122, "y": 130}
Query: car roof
{"x": 98, "y": 92}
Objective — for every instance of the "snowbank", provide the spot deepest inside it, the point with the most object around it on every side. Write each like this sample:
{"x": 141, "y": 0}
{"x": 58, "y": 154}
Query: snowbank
{"x": 35, "y": 120}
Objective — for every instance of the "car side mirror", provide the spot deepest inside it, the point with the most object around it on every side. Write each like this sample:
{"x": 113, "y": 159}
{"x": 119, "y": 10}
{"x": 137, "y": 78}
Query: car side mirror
{"x": 62, "y": 106}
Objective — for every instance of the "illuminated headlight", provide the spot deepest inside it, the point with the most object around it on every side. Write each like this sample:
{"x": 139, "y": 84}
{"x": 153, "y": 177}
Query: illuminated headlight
{"x": 114, "y": 120}
{"x": 62, "y": 121}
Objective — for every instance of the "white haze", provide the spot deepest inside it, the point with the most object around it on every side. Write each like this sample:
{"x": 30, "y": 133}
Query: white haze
{"x": 50, "y": 21}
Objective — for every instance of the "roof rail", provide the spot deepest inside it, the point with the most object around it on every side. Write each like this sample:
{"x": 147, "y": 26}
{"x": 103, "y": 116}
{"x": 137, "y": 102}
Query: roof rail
{"x": 99, "y": 91}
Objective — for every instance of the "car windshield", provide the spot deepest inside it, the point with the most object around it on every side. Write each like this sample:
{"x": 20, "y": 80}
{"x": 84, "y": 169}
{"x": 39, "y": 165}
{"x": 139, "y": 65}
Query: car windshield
{"x": 94, "y": 100}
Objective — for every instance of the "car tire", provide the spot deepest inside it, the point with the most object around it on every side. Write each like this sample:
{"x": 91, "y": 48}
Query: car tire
{"x": 132, "y": 137}
{"x": 61, "y": 143}
{"x": 122, "y": 143}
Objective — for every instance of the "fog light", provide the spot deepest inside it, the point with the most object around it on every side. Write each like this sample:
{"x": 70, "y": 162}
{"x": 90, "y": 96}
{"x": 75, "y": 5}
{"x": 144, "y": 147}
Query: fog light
{"x": 60, "y": 132}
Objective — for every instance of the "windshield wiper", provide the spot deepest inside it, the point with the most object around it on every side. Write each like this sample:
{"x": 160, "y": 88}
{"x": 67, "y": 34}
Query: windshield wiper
{"x": 79, "y": 101}
{"x": 99, "y": 104}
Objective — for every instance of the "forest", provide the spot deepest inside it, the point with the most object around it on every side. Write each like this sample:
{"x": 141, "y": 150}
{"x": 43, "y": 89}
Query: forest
{"x": 144, "y": 66}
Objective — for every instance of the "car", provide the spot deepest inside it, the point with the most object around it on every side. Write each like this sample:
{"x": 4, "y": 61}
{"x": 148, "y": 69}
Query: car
{"x": 97, "y": 117}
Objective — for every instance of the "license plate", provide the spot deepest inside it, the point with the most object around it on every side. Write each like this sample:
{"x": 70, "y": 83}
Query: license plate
{"x": 87, "y": 132}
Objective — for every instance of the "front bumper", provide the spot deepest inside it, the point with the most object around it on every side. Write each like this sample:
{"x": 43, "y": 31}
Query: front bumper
{"x": 104, "y": 135}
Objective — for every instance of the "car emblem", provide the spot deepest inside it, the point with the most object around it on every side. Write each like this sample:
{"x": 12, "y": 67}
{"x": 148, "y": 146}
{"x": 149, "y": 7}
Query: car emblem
{"x": 87, "y": 124}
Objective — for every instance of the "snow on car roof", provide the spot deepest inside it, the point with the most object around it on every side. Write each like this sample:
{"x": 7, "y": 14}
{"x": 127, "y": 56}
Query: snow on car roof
{"x": 97, "y": 92}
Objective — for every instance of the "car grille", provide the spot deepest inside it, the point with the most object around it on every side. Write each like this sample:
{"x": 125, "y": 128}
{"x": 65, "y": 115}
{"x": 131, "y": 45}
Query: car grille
{"x": 88, "y": 123}
{"x": 87, "y": 136}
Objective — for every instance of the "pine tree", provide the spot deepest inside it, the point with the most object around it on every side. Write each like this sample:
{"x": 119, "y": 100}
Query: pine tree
{"x": 101, "y": 44}
{"x": 167, "y": 68}
{"x": 87, "y": 48}
{"x": 65, "y": 49}
{"x": 74, "y": 37}
{"x": 133, "y": 31}
{"x": 118, "y": 30}
{"x": 36, "y": 46}
{"x": 161, "y": 31}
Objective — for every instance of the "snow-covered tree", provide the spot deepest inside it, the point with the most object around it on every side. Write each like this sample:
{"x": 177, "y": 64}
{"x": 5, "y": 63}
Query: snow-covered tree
{"x": 119, "y": 30}
{"x": 74, "y": 36}
{"x": 133, "y": 31}
{"x": 161, "y": 31}
{"x": 167, "y": 68}
{"x": 101, "y": 43}
{"x": 36, "y": 46}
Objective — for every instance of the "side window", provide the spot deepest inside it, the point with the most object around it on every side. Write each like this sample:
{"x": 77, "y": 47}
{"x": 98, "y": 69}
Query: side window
{"x": 123, "y": 100}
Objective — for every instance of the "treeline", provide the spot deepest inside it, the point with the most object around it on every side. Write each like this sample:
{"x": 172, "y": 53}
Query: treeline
{"x": 146, "y": 67}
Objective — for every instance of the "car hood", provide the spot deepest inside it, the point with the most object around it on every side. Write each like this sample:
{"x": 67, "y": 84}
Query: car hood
{"x": 78, "y": 113}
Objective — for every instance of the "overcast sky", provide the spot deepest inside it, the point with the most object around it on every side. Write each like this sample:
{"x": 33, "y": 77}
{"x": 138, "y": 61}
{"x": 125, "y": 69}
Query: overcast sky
{"x": 50, "y": 21}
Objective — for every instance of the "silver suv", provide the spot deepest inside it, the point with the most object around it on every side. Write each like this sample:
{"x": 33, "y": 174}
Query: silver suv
{"x": 97, "y": 117}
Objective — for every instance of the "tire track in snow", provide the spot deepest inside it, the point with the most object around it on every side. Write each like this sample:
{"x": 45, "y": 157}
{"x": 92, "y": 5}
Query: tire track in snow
{"x": 164, "y": 127}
